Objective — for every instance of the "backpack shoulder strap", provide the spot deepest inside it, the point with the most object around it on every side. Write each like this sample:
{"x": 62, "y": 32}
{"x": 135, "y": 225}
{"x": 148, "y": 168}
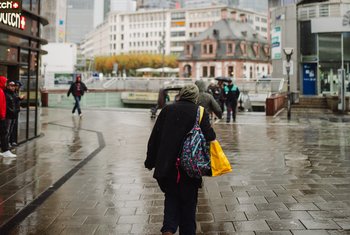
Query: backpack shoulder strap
{"x": 201, "y": 110}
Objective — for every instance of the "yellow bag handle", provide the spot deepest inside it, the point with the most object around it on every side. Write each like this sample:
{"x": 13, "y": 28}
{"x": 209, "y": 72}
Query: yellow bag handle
{"x": 201, "y": 112}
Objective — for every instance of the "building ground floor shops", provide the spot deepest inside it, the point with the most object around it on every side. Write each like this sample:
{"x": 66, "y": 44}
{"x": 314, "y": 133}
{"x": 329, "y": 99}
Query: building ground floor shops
{"x": 28, "y": 120}
{"x": 19, "y": 61}
{"x": 319, "y": 33}
{"x": 319, "y": 73}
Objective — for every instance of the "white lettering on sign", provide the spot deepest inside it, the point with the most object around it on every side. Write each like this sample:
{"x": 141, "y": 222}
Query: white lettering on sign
{"x": 10, "y": 6}
{"x": 13, "y": 19}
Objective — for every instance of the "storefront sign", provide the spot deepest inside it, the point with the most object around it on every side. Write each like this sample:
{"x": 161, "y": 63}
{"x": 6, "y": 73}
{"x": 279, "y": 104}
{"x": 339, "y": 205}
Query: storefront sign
{"x": 7, "y": 6}
{"x": 276, "y": 50}
{"x": 331, "y": 24}
{"x": 309, "y": 78}
{"x": 13, "y": 19}
{"x": 10, "y": 14}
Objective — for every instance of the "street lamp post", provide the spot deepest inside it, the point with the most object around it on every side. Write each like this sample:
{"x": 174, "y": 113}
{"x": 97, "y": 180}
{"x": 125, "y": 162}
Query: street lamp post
{"x": 288, "y": 52}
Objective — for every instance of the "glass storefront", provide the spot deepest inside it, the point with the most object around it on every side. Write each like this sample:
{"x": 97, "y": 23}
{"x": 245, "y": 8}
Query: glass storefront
{"x": 19, "y": 61}
{"x": 329, "y": 61}
{"x": 323, "y": 54}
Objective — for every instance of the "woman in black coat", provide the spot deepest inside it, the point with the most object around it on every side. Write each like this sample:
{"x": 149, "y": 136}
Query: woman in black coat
{"x": 164, "y": 145}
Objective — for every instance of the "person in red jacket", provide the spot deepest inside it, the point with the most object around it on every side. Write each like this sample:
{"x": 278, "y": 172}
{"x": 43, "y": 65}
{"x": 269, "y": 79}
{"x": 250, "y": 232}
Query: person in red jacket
{"x": 3, "y": 128}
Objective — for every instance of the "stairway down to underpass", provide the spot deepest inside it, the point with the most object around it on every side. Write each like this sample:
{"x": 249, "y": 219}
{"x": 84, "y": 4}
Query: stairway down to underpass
{"x": 312, "y": 102}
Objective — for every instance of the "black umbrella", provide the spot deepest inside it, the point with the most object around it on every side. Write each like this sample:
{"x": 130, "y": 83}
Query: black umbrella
{"x": 224, "y": 79}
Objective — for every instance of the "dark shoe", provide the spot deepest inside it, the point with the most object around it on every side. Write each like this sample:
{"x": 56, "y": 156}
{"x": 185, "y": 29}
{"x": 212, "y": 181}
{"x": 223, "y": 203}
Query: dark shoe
{"x": 167, "y": 233}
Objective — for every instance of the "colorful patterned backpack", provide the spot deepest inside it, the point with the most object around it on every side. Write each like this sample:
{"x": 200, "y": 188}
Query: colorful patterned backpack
{"x": 194, "y": 158}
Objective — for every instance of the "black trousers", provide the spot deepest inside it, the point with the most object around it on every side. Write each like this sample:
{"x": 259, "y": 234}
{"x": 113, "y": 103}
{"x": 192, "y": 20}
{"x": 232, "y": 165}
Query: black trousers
{"x": 231, "y": 110}
{"x": 3, "y": 136}
{"x": 180, "y": 205}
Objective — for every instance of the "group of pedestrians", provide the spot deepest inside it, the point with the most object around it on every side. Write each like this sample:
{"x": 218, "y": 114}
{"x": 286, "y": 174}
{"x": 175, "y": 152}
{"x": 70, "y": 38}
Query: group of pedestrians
{"x": 9, "y": 111}
{"x": 223, "y": 95}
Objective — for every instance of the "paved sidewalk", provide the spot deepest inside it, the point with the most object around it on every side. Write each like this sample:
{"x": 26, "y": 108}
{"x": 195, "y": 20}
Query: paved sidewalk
{"x": 86, "y": 176}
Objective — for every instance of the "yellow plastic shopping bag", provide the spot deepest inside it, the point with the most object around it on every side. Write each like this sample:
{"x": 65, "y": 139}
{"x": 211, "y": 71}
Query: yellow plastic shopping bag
{"x": 219, "y": 162}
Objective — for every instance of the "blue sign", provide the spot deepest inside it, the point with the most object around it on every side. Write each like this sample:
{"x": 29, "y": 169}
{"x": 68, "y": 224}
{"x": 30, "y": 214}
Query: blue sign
{"x": 309, "y": 78}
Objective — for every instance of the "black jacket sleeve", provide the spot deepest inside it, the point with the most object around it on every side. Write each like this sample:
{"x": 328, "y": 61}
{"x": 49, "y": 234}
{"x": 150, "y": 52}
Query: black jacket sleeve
{"x": 84, "y": 86}
{"x": 70, "y": 89}
{"x": 206, "y": 128}
{"x": 10, "y": 105}
{"x": 153, "y": 142}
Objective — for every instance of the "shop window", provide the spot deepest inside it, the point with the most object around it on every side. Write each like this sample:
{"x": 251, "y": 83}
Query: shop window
{"x": 330, "y": 60}
{"x": 346, "y": 53}
{"x": 22, "y": 118}
{"x": 24, "y": 56}
{"x": 33, "y": 96}
{"x": 35, "y": 6}
{"x": 330, "y": 47}
{"x": 8, "y": 53}
{"x": 26, "y": 4}
{"x": 28, "y": 26}
{"x": 34, "y": 28}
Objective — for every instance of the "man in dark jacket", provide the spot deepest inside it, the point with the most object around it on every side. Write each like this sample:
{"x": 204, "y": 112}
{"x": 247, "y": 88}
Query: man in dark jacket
{"x": 11, "y": 109}
{"x": 3, "y": 129}
{"x": 231, "y": 94}
{"x": 164, "y": 145}
{"x": 77, "y": 89}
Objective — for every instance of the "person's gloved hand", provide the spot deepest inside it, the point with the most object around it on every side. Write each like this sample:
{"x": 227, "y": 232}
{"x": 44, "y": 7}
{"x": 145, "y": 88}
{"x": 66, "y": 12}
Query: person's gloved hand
{"x": 147, "y": 166}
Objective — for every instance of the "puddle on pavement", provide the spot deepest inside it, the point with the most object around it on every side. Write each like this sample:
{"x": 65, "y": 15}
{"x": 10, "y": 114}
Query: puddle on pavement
{"x": 296, "y": 160}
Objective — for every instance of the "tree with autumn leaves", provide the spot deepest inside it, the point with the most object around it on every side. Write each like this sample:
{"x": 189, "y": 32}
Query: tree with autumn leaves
{"x": 131, "y": 62}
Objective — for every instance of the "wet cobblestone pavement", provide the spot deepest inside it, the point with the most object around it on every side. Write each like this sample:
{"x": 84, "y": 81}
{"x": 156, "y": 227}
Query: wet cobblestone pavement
{"x": 86, "y": 176}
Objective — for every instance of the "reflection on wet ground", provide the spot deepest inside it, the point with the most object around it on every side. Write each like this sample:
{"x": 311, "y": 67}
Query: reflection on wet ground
{"x": 288, "y": 177}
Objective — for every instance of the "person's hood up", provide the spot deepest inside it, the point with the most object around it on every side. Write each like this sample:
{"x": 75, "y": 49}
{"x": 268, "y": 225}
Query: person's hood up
{"x": 189, "y": 93}
{"x": 3, "y": 82}
{"x": 201, "y": 85}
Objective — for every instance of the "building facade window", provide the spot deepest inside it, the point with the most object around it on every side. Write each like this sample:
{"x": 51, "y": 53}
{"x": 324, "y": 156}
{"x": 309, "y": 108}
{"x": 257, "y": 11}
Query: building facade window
{"x": 229, "y": 48}
{"x": 211, "y": 49}
{"x": 243, "y": 48}
{"x": 205, "y": 71}
{"x": 212, "y": 71}
{"x": 204, "y": 49}
{"x": 230, "y": 71}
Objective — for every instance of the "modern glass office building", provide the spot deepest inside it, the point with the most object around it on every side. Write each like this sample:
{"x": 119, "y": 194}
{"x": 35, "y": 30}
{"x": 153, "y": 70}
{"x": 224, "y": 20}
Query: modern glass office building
{"x": 20, "y": 42}
{"x": 324, "y": 47}
{"x": 319, "y": 32}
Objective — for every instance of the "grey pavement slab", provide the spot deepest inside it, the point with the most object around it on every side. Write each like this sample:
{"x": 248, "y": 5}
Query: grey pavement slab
{"x": 112, "y": 193}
